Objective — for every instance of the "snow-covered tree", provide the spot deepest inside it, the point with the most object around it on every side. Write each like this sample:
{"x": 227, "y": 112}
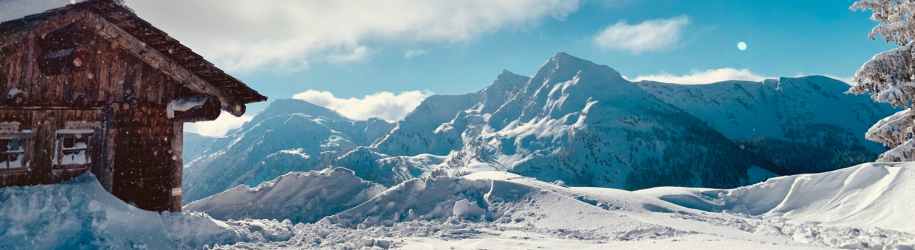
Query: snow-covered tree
{"x": 890, "y": 76}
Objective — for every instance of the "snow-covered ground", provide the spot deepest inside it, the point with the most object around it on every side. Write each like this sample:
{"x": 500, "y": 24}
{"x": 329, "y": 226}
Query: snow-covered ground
{"x": 299, "y": 197}
{"x": 80, "y": 214}
{"x": 861, "y": 207}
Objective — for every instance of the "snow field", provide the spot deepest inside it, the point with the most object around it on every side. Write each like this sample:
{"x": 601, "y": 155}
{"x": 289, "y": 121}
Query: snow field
{"x": 296, "y": 196}
{"x": 80, "y": 214}
{"x": 507, "y": 211}
{"x": 501, "y": 210}
{"x": 867, "y": 195}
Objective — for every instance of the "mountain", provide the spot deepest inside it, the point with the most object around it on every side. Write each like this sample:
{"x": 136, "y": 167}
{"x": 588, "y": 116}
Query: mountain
{"x": 196, "y": 145}
{"x": 290, "y": 135}
{"x": 301, "y": 197}
{"x": 806, "y": 124}
{"x": 574, "y": 122}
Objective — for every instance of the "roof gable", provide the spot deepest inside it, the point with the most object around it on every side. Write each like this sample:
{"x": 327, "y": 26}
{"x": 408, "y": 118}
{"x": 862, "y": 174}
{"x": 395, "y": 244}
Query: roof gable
{"x": 150, "y": 37}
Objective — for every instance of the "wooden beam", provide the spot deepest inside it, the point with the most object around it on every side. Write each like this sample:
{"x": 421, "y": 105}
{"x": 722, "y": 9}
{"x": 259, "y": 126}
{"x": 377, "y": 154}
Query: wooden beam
{"x": 36, "y": 28}
{"x": 175, "y": 180}
{"x": 158, "y": 61}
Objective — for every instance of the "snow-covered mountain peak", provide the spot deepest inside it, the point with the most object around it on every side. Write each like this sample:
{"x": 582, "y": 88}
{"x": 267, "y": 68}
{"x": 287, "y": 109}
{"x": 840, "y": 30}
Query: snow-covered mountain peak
{"x": 811, "y": 110}
{"x": 565, "y": 85}
{"x": 290, "y": 135}
{"x": 508, "y": 75}
{"x": 814, "y": 83}
{"x": 507, "y": 81}
{"x": 573, "y": 121}
{"x": 564, "y": 66}
{"x": 293, "y": 106}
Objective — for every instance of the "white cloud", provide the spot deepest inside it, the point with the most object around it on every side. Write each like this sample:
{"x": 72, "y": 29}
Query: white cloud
{"x": 357, "y": 55}
{"x": 289, "y": 34}
{"x": 219, "y": 127}
{"x": 384, "y": 105}
{"x": 704, "y": 77}
{"x": 251, "y": 34}
{"x": 414, "y": 53}
{"x": 651, "y": 35}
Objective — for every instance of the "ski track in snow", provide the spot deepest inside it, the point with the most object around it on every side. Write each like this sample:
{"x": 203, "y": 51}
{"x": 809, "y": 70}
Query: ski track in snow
{"x": 861, "y": 207}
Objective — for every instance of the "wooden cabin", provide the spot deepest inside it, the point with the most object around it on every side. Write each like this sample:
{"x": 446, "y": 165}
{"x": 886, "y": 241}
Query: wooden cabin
{"x": 92, "y": 87}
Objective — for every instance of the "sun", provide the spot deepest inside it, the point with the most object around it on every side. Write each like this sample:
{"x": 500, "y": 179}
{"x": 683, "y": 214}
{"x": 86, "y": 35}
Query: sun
{"x": 741, "y": 46}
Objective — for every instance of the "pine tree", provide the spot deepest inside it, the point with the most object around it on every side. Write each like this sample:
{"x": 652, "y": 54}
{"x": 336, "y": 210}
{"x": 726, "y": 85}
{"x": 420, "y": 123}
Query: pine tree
{"x": 890, "y": 76}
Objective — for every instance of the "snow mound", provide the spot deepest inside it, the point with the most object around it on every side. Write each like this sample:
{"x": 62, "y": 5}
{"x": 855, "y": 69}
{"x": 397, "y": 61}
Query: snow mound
{"x": 867, "y": 195}
{"x": 508, "y": 199}
{"x": 80, "y": 214}
{"x": 494, "y": 209}
{"x": 299, "y": 197}
{"x": 514, "y": 212}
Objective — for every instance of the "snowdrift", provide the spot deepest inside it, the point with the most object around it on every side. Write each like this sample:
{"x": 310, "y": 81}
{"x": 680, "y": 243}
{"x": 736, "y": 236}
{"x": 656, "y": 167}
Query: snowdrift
{"x": 299, "y": 197}
{"x": 80, "y": 214}
{"x": 867, "y": 195}
{"x": 505, "y": 197}
{"x": 495, "y": 209}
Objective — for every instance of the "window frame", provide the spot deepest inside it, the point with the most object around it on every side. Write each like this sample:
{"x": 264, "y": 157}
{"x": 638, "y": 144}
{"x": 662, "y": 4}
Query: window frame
{"x": 63, "y": 134}
{"x": 24, "y": 137}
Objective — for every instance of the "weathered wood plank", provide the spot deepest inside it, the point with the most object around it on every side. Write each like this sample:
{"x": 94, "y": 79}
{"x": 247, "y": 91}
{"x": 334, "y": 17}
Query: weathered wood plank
{"x": 34, "y": 29}
{"x": 142, "y": 170}
{"x": 15, "y": 65}
{"x": 177, "y": 152}
{"x": 5, "y": 54}
{"x": 158, "y": 60}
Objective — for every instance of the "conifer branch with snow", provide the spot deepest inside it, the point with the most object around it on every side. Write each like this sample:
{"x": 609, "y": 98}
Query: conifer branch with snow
{"x": 890, "y": 76}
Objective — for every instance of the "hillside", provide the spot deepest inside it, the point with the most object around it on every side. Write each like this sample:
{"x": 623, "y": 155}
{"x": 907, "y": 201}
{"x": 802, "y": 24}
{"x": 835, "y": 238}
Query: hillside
{"x": 573, "y": 121}
{"x": 806, "y": 124}
{"x": 290, "y": 135}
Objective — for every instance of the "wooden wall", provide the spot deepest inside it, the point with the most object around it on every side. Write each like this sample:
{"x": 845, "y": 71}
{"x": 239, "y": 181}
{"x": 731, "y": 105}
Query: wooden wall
{"x": 140, "y": 157}
{"x": 143, "y": 157}
{"x": 39, "y": 145}
{"x": 113, "y": 74}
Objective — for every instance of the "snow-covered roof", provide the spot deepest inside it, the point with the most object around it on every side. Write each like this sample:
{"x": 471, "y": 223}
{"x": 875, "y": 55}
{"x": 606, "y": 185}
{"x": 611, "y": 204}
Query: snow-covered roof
{"x": 127, "y": 20}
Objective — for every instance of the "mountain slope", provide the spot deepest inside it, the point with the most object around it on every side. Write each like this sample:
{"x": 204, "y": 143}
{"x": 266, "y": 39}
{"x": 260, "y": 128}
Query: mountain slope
{"x": 296, "y": 196}
{"x": 290, "y": 135}
{"x": 806, "y": 124}
{"x": 573, "y": 121}
{"x": 196, "y": 145}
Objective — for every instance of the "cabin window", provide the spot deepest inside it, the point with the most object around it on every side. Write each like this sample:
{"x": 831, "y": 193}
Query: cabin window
{"x": 12, "y": 150}
{"x": 11, "y": 154}
{"x": 73, "y": 148}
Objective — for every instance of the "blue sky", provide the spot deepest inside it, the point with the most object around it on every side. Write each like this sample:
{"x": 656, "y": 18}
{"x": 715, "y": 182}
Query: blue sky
{"x": 348, "y": 51}
{"x": 785, "y": 38}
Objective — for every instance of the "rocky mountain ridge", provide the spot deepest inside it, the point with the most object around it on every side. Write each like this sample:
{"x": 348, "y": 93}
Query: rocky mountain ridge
{"x": 573, "y": 121}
